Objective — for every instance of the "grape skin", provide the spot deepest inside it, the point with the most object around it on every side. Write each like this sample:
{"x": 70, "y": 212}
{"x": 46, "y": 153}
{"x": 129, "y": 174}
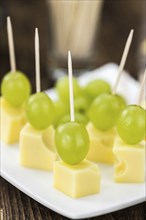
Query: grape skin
{"x": 62, "y": 88}
{"x": 72, "y": 142}
{"x": 61, "y": 110}
{"x": 15, "y": 88}
{"x": 104, "y": 111}
{"x": 131, "y": 124}
{"x": 96, "y": 88}
{"x": 40, "y": 111}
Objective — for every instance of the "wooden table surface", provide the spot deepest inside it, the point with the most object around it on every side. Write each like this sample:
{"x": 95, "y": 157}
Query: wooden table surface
{"x": 15, "y": 205}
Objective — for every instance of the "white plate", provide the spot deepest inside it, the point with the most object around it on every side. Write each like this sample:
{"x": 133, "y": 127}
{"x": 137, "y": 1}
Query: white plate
{"x": 38, "y": 184}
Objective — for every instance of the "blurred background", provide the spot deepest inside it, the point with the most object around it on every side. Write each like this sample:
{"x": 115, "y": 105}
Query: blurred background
{"x": 95, "y": 32}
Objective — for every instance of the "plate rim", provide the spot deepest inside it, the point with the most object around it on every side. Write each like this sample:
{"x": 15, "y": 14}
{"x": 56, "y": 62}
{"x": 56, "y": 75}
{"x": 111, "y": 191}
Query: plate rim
{"x": 67, "y": 214}
{"x": 59, "y": 210}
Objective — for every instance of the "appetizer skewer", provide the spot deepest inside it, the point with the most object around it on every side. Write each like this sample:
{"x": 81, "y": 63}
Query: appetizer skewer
{"x": 73, "y": 175}
{"x": 103, "y": 114}
{"x": 15, "y": 90}
{"x": 129, "y": 146}
{"x": 37, "y": 148}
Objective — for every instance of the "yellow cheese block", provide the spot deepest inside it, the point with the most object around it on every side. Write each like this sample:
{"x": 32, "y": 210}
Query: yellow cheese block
{"x": 11, "y": 122}
{"x": 37, "y": 148}
{"x": 77, "y": 180}
{"x": 130, "y": 162}
{"x": 101, "y": 145}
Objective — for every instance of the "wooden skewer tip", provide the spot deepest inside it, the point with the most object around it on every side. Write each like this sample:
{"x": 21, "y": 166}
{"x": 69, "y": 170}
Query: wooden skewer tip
{"x": 72, "y": 117}
{"x": 123, "y": 60}
{"x": 37, "y": 61}
{"x": 8, "y": 19}
{"x": 11, "y": 45}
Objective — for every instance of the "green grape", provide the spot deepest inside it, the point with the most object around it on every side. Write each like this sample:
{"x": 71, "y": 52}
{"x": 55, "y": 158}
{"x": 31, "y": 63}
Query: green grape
{"x": 79, "y": 117}
{"x": 81, "y": 103}
{"x": 122, "y": 101}
{"x": 61, "y": 110}
{"x": 72, "y": 142}
{"x": 96, "y": 87}
{"x": 62, "y": 87}
{"x": 40, "y": 110}
{"x": 104, "y": 111}
{"x": 15, "y": 88}
{"x": 131, "y": 125}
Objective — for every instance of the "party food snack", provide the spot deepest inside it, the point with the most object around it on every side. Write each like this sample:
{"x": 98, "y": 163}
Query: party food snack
{"x": 129, "y": 146}
{"x": 37, "y": 147}
{"x": 103, "y": 114}
{"x": 15, "y": 90}
{"x": 73, "y": 175}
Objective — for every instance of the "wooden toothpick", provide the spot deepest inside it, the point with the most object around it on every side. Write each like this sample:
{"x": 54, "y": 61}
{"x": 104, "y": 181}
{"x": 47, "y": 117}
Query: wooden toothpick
{"x": 72, "y": 116}
{"x": 123, "y": 60}
{"x": 37, "y": 61}
{"x": 11, "y": 45}
{"x": 142, "y": 87}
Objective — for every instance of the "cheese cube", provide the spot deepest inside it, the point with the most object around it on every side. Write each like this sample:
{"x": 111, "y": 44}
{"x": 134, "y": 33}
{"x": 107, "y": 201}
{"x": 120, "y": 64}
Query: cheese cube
{"x": 130, "y": 162}
{"x": 77, "y": 180}
{"x": 11, "y": 122}
{"x": 37, "y": 148}
{"x": 101, "y": 145}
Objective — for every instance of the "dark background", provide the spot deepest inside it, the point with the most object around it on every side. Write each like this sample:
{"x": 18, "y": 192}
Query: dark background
{"x": 118, "y": 17}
